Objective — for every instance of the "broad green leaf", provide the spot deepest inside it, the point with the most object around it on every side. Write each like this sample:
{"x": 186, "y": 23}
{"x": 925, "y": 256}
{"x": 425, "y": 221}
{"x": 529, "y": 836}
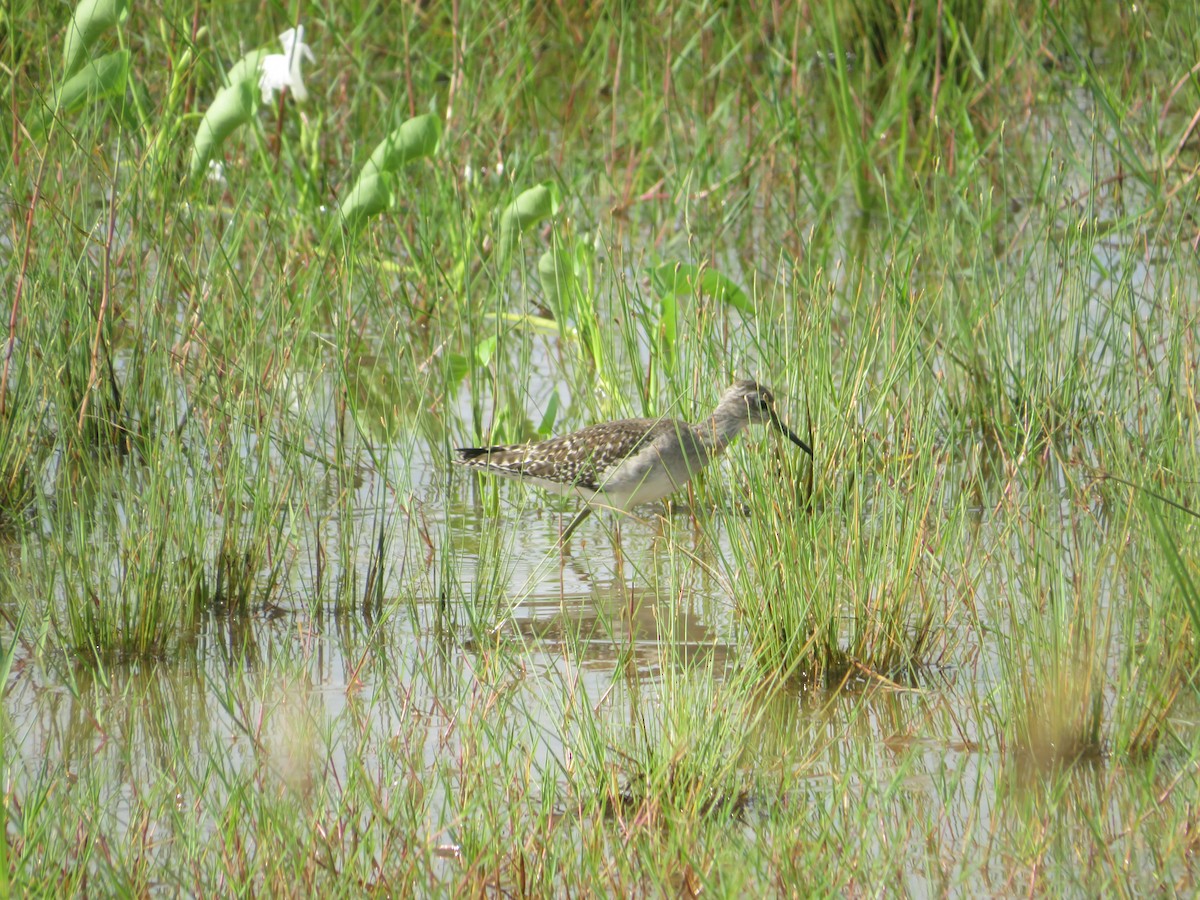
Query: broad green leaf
{"x": 233, "y": 106}
{"x": 90, "y": 19}
{"x": 103, "y": 77}
{"x": 537, "y": 324}
{"x": 546, "y": 426}
{"x": 457, "y": 367}
{"x": 416, "y": 138}
{"x": 528, "y": 209}
{"x": 247, "y": 68}
{"x": 680, "y": 279}
{"x": 484, "y": 350}
{"x": 668, "y": 326}
{"x": 557, "y": 274}
{"x": 589, "y": 328}
{"x": 370, "y": 196}
{"x": 722, "y": 289}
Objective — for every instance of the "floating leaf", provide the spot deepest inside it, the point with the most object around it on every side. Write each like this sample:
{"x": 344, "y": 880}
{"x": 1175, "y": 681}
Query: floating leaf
{"x": 680, "y": 279}
{"x": 530, "y": 207}
{"x": 415, "y": 139}
{"x": 90, "y": 20}
{"x": 103, "y": 77}
{"x": 233, "y": 106}
{"x": 370, "y": 196}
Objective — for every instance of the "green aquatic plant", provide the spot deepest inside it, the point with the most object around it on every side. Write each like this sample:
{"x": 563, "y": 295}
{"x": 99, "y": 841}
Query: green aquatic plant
{"x": 90, "y": 19}
{"x": 258, "y": 73}
{"x": 372, "y": 192}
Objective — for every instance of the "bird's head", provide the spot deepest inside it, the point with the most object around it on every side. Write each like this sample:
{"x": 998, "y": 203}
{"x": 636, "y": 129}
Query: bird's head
{"x": 756, "y": 404}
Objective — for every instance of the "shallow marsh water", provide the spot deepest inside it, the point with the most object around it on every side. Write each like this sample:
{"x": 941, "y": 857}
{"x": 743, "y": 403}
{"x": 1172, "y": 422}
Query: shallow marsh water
{"x": 954, "y": 657}
{"x": 298, "y": 701}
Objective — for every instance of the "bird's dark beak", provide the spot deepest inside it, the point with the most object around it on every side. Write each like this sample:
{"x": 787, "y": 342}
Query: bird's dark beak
{"x": 791, "y": 435}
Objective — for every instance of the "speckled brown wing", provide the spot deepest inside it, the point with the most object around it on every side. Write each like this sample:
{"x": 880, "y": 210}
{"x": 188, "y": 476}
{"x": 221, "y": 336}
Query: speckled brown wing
{"x": 581, "y": 458}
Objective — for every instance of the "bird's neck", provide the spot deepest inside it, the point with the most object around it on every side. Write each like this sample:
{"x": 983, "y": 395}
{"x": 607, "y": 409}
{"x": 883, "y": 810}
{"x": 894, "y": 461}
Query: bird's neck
{"x": 718, "y": 431}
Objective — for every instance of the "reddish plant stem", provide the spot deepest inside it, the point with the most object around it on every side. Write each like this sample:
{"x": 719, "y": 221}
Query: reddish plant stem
{"x": 104, "y": 295}
{"x": 16, "y": 303}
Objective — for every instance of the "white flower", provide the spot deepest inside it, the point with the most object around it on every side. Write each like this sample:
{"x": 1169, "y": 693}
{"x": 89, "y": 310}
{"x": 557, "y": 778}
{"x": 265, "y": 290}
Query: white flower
{"x": 216, "y": 172}
{"x": 282, "y": 70}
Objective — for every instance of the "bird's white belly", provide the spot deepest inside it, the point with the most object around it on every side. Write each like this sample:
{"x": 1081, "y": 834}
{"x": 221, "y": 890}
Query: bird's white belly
{"x": 645, "y": 477}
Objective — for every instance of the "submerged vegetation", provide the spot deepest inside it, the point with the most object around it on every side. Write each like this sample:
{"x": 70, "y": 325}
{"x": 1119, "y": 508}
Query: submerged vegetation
{"x": 258, "y": 637}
